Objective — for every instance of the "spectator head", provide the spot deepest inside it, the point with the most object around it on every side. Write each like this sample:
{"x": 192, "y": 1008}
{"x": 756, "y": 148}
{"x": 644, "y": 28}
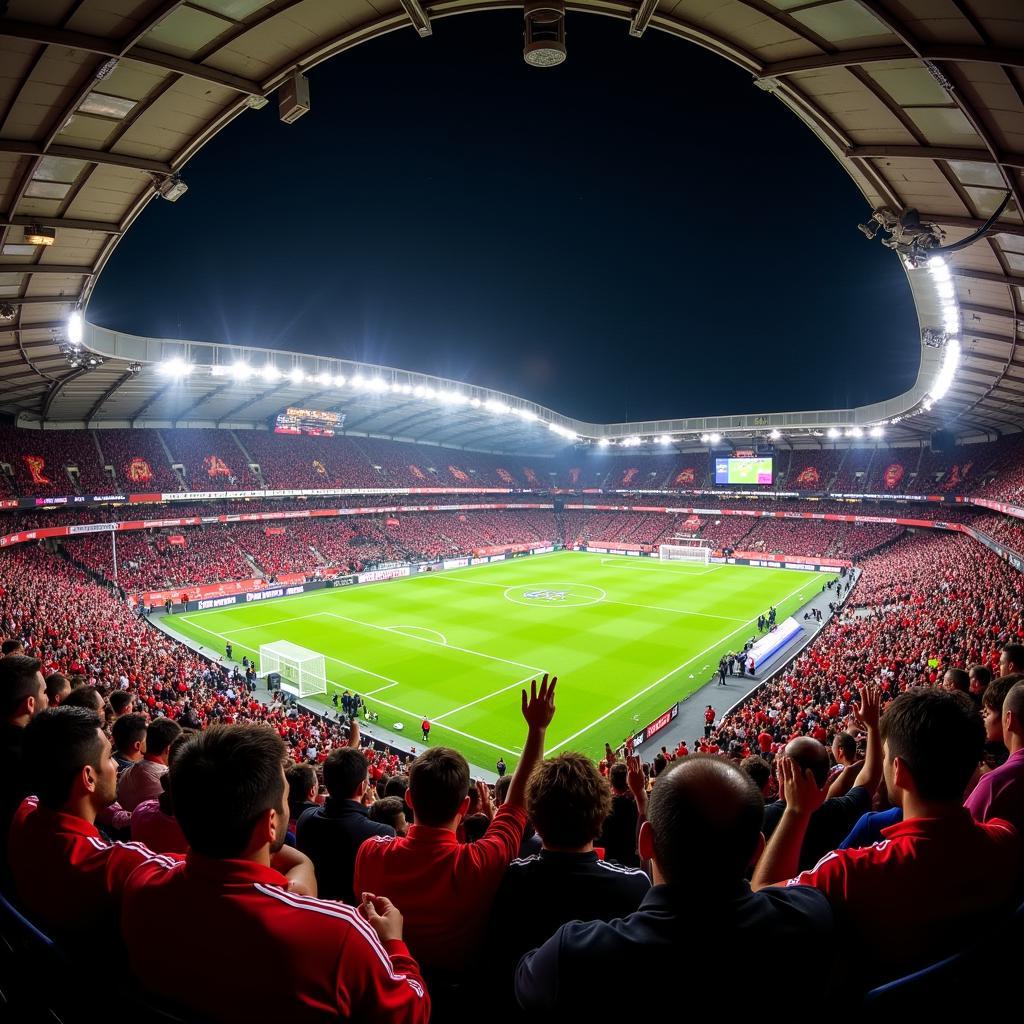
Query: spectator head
{"x": 956, "y": 680}
{"x": 160, "y": 734}
{"x": 68, "y": 762}
{"x": 981, "y": 676}
{"x": 617, "y": 775}
{"x": 121, "y": 702}
{"x": 57, "y": 688}
{"x": 501, "y": 790}
{"x": 390, "y": 811}
{"x": 1011, "y": 659}
{"x": 1013, "y": 718}
{"x": 397, "y": 785}
{"x": 760, "y": 772}
{"x": 810, "y": 754}
{"x": 87, "y": 697}
{"x": 346, "y": 773}
{"x": 703, "y": 824}
{"x": 9, "y": 647}
{"x": 932, "y": 742}
{"x": 844, "y": 748}
{"x": 22, "y": 689}
{"x": 129, "y": 736}
{"x": 567, "y": 800}
{"x": 230, "y": 790}
{"x": 438, "y": 784}
{"x": 302, "y": 787}
{"x": 992, "y": 705}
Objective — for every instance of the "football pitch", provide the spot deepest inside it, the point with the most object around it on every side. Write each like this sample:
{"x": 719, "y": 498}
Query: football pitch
{"x": 626, "y": 637}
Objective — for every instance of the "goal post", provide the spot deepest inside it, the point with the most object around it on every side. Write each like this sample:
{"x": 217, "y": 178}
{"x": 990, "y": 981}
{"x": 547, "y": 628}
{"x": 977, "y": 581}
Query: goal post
{"x": 302, "y": 671}
{"x": 684, "y": 549}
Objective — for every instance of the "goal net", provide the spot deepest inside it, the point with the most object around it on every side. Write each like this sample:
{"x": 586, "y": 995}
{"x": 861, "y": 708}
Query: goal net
{"x": 682, "y": 550}
{"x": 301, "y": 670}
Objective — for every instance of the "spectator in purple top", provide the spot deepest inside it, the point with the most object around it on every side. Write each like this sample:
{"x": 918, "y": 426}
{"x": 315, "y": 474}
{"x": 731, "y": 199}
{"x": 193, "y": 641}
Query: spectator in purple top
{"x": 1000, "y": 792}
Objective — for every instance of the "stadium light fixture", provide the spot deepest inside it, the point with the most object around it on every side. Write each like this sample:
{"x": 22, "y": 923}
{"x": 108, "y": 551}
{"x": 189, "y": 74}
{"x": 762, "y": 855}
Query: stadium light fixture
{"x": 834, "y": 432}
{"x": 75, "y": 328}
{"x": 358, "y": 382}
{"x": 877, "y": 431}
{"x": 296, "y": 375}
{"x": 603, "y": 442}
{"x": 855, "y": 432}
{"x": 377, "y": 385}
{"x": 241, "y": 370}
{"x": 270, "y": 373}
{"x": 475, "y": 402}
{"x": 493, "y": 405}
{"x": 38, "y": 235}
{"x": 714, "y": 438}
{"x": 631, "y": 442}
{"x": 175, "y": 368}
{"x": 324, "y": 379}
{"x": 339, "y": 381}
{"x": 775, "y": 435}
{"x": 944, "y": 379}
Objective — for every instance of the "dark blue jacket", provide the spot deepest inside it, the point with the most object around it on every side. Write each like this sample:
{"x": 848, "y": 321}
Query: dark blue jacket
{"x": 681, "y": 944}
{"x": 331, "y": 836}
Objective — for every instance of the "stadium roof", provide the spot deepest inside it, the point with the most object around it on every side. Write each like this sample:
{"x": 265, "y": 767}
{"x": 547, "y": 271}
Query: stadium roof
{"x": 105, "y": 101}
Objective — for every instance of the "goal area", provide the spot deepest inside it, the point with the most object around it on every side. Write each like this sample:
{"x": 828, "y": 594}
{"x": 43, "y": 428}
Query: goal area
{"x": 683, "y": 549}
{"x": 301, "y": 670}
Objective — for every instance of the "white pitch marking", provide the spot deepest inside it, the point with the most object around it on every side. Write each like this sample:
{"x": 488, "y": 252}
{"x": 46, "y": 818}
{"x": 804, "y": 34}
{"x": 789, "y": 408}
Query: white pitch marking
{"x": 487, "y": 696}
{"x": 667, "y": 675}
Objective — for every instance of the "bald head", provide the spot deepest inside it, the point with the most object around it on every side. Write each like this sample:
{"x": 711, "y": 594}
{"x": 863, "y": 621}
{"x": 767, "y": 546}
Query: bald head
{"x": 705, "y": 818}
{"x": 1014, "y": 702}
{"x": 809, "y": 753}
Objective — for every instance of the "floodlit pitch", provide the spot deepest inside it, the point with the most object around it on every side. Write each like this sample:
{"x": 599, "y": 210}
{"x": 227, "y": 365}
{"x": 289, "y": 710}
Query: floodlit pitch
{"x": 625, "y": 636}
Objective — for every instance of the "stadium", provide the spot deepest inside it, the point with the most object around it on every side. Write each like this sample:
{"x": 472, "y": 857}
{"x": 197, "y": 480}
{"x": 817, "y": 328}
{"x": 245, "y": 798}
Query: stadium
{"x": 281, "y": 624}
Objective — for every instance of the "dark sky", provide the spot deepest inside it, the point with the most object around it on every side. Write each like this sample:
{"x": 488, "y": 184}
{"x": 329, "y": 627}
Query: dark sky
{"x": 639, "y": 233}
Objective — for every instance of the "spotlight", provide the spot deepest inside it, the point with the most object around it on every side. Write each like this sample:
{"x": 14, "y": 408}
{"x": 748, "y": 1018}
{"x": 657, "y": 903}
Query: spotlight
{"x": 877, "y": 432}
{"x": 296, "y": 375}
{"x": 603, "y": 442}
{"x": 775, "y": 435}
{"x": 324, "y": 380}
{"x": 714, "y": 438}
{"x": 74, "y": 328}
{"x": 37, "y": 235}
{"x": 665, "y": 439}
{"x": 834, "y": 432}
{"x": 7, "y": 310}
{"x": 270, "y": 373}
{"x": 241, "y": 370}
{"x": 544, "y": 33}
{"x": 171, "y": 187}
{"x": 174, "y": 367}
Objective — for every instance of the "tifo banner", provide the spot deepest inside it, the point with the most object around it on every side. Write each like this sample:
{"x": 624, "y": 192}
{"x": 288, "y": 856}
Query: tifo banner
{"x": 35, "y": 465}
{"x": 216, "y": 466}
{"x": 273, "y": 531}
{"x": 139, "y": 471}
{"x": 176, "y": 538}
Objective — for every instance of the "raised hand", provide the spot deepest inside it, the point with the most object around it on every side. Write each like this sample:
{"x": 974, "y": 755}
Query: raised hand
{"x": 539, "y": 706}
{"x": 485, "y": 804}
{"x": 868, "y": 710}
{"x": 353, "y": 733}
{"x": 635, "y": 780}
{"x": 799, "y": 787}
{"x": 382, "y": 915}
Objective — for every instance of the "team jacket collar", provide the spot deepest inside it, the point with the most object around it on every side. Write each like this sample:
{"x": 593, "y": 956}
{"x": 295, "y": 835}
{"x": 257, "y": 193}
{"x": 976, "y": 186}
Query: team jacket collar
{"x": 61, "y": 821}
{"x": 931, "y": 827}
{"x": 232, "y": 872}
{"x": 432, "y": 835}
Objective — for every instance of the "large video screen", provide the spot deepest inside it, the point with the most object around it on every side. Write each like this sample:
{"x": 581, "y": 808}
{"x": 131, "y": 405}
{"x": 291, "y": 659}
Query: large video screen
{"x": 316, "y": 422}
{"x": 744, "y": 471}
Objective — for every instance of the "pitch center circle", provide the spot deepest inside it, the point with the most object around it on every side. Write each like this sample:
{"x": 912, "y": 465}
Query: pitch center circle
{"x": 554, "y": 595}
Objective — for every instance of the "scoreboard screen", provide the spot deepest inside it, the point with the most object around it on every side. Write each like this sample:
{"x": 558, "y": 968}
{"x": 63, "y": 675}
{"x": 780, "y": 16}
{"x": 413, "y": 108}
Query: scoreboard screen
{"x": 316, "y": 422}
{"x": 744, "y": 471}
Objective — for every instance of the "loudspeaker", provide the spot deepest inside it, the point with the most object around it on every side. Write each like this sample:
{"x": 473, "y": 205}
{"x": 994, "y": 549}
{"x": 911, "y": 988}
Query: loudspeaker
{"x": 943, "y": 441}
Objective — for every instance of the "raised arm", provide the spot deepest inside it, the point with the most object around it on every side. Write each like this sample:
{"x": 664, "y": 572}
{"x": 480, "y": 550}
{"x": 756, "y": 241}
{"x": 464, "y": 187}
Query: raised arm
{"x": 781, "y": 858}
{"x": 538, "y": 710}
{"x": 868, "y": 714}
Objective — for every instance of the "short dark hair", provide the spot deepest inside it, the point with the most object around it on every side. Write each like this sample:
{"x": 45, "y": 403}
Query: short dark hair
{"x": 160, "y": 734}
{"x": 617, "y": 775}
{"x": 119, "y": 700}
{"x": 128, "y": 729}
{"x": 759, "y": 770}
{"x": 567, "y": 800}
{"x": 17, "y": 681}
{"x": 1015, "y": 655}
{"x": 58, "y": 744}
{"x": 386, "y": 811}
{"x": 939, "y": 736}
{"x": 501, "y": 789}
{"x": 55, "y": 684}
{"x": 87, "y": 697}
{"x": 301, "y": 779}
{"x": 982, "y": 673}
{"x": 9, "y": 646}
{"x": 706, "y": 817}
{"x": 996, "y": 691}
{"x": 846, "y": 742}
{"x": 344, "y": 770}
{"x": 223, "y": 779}
{"x": 960, "y": 679}
{"x": 438, "y": 782}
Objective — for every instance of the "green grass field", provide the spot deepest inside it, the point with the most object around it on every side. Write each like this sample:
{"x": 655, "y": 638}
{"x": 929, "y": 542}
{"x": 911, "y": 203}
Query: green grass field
{"x": 625, "y": 636}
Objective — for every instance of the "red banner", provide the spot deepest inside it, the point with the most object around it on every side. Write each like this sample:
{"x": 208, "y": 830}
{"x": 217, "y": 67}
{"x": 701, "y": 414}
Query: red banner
{"x": 176, "y": 538}
{"x": 139, "y": 470}
{"x": 35, "y": 465}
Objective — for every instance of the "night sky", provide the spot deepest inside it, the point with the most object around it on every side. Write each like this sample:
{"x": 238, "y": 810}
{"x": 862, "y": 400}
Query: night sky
{"x": 639, "y": 233}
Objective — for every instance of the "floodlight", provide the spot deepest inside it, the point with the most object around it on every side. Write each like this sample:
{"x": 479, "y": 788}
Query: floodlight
{"x": 631, "y": 442}
{"x": 475, "y": 402}
{"x": 603, "y": 442}
{"x": 270, "y": 373}
{"x": 855, "y": 432}
{"x": 665, "y": 439}
{"x": 774, "y": 435}
{"x": 493, "y": 405}
{"x": 241, "y": 370}
{"x": 296, "y": 375}
{"x": 714, "y": 438}
{"x": 378, "y": 385}
{"x": 339, "y": 381}
{"x": 705, "y": 438}
{"x": 324, "y": 379}
{"x": 75, "y": 328}
{"x": 877, "y": 432}
{"x": 38, "y": 235}
{"x": 834, "y": 432}
{"x": 358, "y": 382}
{"x": 170, "y": 187}
{"x": 406, "y": 389}
{"x": 174, "y": 367}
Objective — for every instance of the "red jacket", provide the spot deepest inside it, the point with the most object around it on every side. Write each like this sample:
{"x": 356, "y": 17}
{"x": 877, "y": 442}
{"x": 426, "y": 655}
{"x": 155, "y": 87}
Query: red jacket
{"x": 443, "y": 888}
{"x": 67, "y": 877}
{"x": 234, "y": 919}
